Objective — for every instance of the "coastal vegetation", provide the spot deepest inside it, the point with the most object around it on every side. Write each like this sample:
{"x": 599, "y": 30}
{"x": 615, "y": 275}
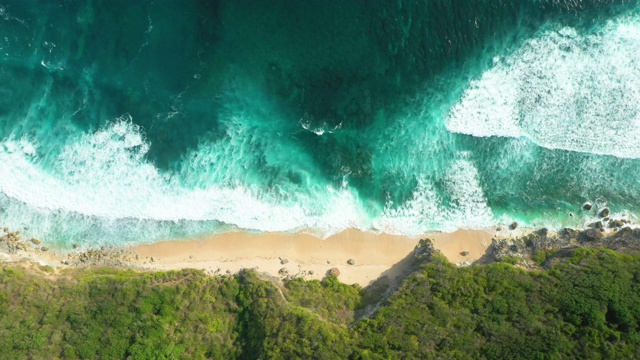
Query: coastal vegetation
{"x": 586, "y": 304}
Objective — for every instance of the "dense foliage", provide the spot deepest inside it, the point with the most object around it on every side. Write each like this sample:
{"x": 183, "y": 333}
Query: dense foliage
{"x": 585, "y": 306}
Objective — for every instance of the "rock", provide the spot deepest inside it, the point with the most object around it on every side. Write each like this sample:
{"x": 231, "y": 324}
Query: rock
{"x": 604, "y": 212}
{"x": 499, "y": 228}
{"x": 596, "y": 225}
{"x": 464, "y": 253}
{"x": 6, "y": 229}
{"x": 152, "y": 259}
{"x": 284, "y": 261}
{"x": 311, "y": 272}
{"x": 615, "y": 223}
{"x": 587, "y": 206}
{"x": 36, "y": 241}
{"x": 513, "y": 226}
{"x": 75, "y": 246}
{"x": 570, "y": 214}
{"x": 190, "y": 256}
{"x": 351, "y": 262}
{"x": 591, "y": 235}
{"x": 283, "y": 272}
{"x": 333, "y": 272}
{"x": 44, "y": 248}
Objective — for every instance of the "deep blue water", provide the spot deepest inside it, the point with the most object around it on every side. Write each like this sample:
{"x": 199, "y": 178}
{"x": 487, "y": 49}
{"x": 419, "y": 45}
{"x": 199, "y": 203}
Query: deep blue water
{"x": 135, "y": 121}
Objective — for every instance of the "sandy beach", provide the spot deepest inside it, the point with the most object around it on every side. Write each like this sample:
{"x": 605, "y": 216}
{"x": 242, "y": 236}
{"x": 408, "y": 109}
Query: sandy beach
{"x": 374, "y": 255}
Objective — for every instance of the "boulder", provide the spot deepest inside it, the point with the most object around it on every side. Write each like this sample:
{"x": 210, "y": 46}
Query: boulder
{"x": 284, "y": 261}
{"x": 591, "y": 235}
{"x": 283, "y": 272}
{"x": 596, "y": 225}
{"x": 513, "y": 226}
{"x": 615, "y": 223}
{"x": 36, "y": 241}
{"x": 44, "y": 248}
{"x": 351, "y": 262}
{"x": 464, "y": 253}
{"x": 604, "y": 212}
{"x": 587, "y": 206}
{"x": 333, "y": 272}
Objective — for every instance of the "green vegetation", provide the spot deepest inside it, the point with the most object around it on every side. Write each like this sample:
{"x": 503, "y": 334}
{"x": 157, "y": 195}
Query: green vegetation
{"x": 587, "y": 305}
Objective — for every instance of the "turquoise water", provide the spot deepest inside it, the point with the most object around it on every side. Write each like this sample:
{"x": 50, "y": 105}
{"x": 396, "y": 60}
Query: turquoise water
{"x": 135, "y": 121}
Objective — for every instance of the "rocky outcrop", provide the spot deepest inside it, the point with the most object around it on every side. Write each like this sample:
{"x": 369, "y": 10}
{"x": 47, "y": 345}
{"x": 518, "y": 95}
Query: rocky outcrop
{"x": 523, "y": 250}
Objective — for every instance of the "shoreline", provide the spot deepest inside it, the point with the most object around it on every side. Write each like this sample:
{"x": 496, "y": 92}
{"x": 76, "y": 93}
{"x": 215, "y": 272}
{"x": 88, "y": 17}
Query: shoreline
{"x": 277, "y": 254}
{"x": 359, "y": 257}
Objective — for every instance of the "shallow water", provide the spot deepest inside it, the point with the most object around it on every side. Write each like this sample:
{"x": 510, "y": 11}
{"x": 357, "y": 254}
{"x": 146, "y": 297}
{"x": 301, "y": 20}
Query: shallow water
{"x": 129, "y": 122}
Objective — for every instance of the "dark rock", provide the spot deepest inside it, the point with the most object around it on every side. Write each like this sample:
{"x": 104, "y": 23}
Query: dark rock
{"x": 284, "y": 261}
{"x": 424, "y": 250}
{"x": 499, "y": 228}
{"x": 333, "y": 272}
{"x": 311, "y": 272}
{"x": 6, "y": 229}
{"x": 604, "y": 212}
{"x": 464, "y": 253}
{"x": 351, "y": 262}
{"x": 283, "y": 272}
{"x": 591, "y": 235}
{"x": 615, "y": 223}
{"x": 75, "y": 246}
{"x": 587, "y": 206}
{"x": 513, "y": 226}
{"x": 570, "y": 214}
{"x": 596, "y": 225}
{"x": 36, "y": 241}
{"x": 44, "y": 248}
{"x": 542, "y": 232}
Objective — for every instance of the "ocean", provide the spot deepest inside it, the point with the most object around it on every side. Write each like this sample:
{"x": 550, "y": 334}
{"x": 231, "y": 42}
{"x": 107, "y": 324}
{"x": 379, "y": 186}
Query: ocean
{"x": 127, "y": 122}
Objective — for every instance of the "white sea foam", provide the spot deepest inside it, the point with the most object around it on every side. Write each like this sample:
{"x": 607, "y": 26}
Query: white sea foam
{"x": 563, "y": 90}
{"x": 466, "y": 206}
{"x": 104, "y": 175}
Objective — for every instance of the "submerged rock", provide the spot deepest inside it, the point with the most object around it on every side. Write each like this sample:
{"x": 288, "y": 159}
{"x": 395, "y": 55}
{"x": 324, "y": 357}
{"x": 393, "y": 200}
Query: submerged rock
{"x": 604, "y": 212}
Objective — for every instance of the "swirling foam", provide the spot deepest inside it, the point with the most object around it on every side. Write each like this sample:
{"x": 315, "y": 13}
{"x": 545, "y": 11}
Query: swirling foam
{"x": 466, "y": 206}
{"x": 562, "y": 90}
{"x": 105, "y": 175}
